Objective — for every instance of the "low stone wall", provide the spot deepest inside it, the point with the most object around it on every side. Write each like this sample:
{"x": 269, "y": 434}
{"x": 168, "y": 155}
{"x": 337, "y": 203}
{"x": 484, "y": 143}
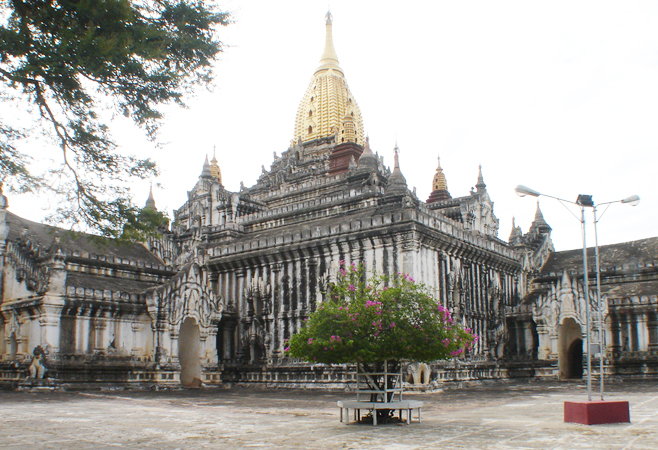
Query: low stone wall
{"x": 126, "y": 372}
{"x": 304, "y": 376}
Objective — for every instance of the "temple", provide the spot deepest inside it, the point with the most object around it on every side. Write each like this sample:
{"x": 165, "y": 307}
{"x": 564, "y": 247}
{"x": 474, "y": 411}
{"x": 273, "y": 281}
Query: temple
{"x": 215, "y": 296}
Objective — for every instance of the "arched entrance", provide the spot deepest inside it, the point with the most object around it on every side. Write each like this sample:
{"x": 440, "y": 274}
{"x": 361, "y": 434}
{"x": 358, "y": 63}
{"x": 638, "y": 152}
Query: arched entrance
{"x": 570, "y": 350}
{"x": 575, "y": 359}
{"x": 189, "y": 353}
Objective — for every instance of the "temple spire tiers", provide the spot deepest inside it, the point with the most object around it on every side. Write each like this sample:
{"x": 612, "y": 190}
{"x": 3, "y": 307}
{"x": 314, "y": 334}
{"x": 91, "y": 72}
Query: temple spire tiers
{"x": 368, "y": 170}
{"x": 439, "y": 186}
{"x": 368, "y": 160}
{"x": 215, "y": 171}
{"x": 397, "y": 184}
{"x": 328, "y": 108}
{"x": 205, "y": 172}
{"x": 474, "y": 211}
{"x": 539, "y": 225}
{"x": 329, "y": 60}
{"x": 516, "y": 235}
{"x": 150, "y": 201}
{"x": 480, "y": 186}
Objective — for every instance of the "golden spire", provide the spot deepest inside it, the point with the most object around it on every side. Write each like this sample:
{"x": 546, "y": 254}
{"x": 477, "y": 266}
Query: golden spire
{"x": 329, "y": 60}
{"x": 439, "y": 186}
{"x": 328, "y": 107}
{"x": 439, "y": 183}
{"x": 215, "y": 171}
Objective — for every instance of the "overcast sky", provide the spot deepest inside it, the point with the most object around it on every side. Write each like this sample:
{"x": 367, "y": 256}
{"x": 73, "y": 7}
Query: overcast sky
{"x": 561, "y": 96}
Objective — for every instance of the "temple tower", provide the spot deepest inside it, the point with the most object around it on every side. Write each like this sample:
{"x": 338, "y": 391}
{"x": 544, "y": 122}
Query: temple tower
{"x": 439, "y": 186}
{"x": 328, "y": 107}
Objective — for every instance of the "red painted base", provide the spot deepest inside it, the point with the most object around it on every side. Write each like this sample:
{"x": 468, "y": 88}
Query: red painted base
{"x": 597, "y": 412}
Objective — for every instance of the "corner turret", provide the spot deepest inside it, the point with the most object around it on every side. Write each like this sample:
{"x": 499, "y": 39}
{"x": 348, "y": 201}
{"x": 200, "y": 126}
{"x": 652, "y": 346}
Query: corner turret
{"x": 480, "y": 186}
{"x": 397, "y": 184}
{"x": 539, "y": 225}
{"x": 205, "y": 172}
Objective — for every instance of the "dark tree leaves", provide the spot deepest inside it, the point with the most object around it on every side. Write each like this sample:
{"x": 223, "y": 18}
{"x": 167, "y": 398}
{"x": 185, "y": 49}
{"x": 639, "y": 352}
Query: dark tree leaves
{"x": 72, "y": 59}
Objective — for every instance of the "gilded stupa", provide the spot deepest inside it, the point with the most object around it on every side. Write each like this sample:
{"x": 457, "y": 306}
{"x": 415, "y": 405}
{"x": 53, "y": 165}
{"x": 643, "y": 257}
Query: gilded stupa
{"x": 214, "y": 168}
{"x": 439, "y": 186}
{"x": 328, "y": 107}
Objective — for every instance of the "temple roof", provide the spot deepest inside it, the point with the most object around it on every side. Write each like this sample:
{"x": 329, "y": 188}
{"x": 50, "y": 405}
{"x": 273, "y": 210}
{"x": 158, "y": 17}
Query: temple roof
{"x": 69, "y": 242}
{"x": 101, "y": 282}
{"x": 632, "y": 253}
{"x": 328, "y": 107}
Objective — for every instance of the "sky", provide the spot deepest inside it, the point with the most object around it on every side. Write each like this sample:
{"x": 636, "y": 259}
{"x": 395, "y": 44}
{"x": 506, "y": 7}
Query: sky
{"x": 560, "y": 96}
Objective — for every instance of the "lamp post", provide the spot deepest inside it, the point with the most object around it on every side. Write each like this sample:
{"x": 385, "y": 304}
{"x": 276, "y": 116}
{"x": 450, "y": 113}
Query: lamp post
{"x": 585, "y": 201}
{"x": 633, "y": 200}
{"x": 582, "y": 201}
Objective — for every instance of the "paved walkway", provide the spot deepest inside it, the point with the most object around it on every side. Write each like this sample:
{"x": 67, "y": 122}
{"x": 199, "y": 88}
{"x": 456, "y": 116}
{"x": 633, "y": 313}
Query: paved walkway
{"x": 492, "y": 415}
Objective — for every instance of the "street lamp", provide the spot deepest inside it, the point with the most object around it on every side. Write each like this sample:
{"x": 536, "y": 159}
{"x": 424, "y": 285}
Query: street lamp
{"x": 582, "y": 201}
{"x": 585, "y": 201}
{"x": 633, "y": 200}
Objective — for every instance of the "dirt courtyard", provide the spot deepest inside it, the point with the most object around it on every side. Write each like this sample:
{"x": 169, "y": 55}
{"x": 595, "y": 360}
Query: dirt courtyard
{"x": 495, "y": 415}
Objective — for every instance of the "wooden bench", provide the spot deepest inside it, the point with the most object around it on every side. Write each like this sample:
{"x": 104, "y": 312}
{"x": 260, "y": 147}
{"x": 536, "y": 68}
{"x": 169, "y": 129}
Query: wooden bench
{"x": 357, "y": 406}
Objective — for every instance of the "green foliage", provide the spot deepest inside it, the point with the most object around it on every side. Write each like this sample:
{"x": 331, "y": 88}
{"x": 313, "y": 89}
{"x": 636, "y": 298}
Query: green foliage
{"x": 67, "y": 60}
{"x": 378, "y": 319}
{"x": 148, "y": 223}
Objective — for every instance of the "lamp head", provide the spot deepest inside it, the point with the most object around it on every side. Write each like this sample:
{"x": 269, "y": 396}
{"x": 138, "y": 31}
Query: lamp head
{"x": 522, "y": 191}
{"x": 633, "y": 200}
{"x": 585, "y": 200}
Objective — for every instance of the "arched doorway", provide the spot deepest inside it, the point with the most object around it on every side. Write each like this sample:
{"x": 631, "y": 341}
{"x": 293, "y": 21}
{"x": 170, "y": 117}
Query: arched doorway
{"x": 575, "y": 359}
{"x": 189, "y": 353}
{"x": 570, "y": 350}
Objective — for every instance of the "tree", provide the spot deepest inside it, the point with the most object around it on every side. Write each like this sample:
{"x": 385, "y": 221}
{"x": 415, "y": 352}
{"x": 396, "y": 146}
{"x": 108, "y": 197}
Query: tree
{"x": 74, "y": 61}
{"x": 381, "y": 320}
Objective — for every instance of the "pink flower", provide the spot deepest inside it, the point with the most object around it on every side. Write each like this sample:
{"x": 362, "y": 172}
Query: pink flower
{"x": 287, "y": 349}
{"x": 310, "y": 341}
{"x": 392, "y": 324}
{"x": 352, "y": 288}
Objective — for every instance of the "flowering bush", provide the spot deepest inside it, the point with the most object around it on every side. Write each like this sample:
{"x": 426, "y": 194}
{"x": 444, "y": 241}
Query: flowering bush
{"x": 379, "y": 319}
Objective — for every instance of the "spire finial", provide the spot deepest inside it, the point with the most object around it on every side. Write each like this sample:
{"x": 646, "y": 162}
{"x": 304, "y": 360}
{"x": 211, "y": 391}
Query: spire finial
{"x": 481, "y": 187}
{"x": 205, "y": 172}
{"x": 397, "y": 184}
{"x": 396, "y": 156}
{"x": 540, "y": 223}
{"x": 215, "y": 171}
{"x": 439, "y": 182}
{"x": 329, "y": 60}
{"x": 367, "y": 158}
{"x": 150, "y": 201}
